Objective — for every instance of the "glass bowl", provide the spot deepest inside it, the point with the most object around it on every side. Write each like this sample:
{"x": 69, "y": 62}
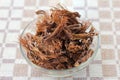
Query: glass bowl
{"x": 58, "y": 73}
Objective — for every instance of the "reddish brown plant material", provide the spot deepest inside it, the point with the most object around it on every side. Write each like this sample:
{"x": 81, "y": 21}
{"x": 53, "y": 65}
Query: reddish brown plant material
{"x": 61, "y": 40}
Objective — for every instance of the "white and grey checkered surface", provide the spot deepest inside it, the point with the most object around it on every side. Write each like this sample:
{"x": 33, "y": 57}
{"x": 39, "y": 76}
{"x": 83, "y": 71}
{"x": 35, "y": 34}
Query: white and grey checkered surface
{"x": 16, "y": 14}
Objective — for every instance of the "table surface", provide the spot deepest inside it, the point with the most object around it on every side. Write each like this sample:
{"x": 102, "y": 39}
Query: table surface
{"x": 16, "y": 14}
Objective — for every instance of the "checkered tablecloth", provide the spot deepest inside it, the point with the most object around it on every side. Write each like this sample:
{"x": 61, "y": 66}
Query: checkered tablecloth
{"x": 16, "y": 14}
